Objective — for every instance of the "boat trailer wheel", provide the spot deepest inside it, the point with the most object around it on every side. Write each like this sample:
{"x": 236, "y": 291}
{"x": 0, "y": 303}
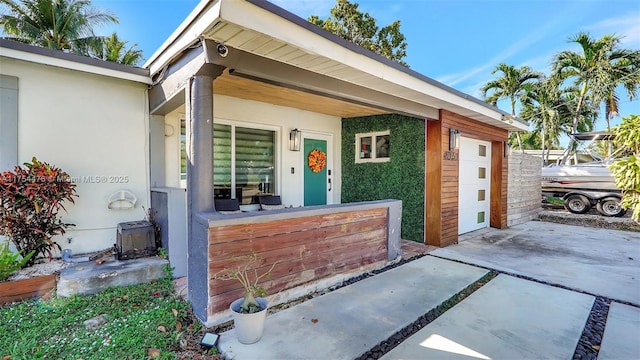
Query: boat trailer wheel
{"x": 577, "y": 204}
{"x": 610, "y": 206}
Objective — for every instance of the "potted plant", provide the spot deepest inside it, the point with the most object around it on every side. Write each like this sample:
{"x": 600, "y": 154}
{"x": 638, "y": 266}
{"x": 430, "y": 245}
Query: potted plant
{"x": 249, "y": 312}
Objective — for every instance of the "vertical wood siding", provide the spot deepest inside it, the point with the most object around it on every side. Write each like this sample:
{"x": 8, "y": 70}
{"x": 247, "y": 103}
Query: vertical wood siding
{"x": 442, "y": 175}
{"x": 305, "y": 249}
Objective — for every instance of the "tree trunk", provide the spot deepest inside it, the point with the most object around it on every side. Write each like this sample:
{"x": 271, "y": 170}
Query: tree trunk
{"x": 513, "y": 112}
{"x": 609, "y": 142}
{"x": 519, "y": 142}
{"x": 574, "y": 129}
{"x": 544, "y": 161}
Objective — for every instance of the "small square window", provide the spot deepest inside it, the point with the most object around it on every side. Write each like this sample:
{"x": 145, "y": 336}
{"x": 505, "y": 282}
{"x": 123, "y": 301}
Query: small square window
{"x": 480, "y": 217}
{"x": 481, "y": 195}
{"x": 482, "y": 173}
{"x": 382, "y": 146}
{"x": 482, "y": 150}
{"x": 373, "y": 147}
{"x": 365, "y": 147}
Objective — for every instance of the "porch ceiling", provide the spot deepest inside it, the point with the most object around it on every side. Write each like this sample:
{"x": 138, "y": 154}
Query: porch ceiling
{"x": 262, "y": 91}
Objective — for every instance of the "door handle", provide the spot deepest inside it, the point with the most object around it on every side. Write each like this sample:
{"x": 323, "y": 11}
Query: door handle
{"x": 329, "y": 185}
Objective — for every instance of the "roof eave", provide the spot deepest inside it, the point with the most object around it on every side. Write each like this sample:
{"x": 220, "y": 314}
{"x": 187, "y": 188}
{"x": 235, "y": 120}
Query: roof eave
{"x": 40, "y": 55}
{"x": 381, "y": 74}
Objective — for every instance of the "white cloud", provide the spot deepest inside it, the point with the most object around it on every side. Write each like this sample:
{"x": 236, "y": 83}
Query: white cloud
{"x": 626, "y": 26}
{"x": 487, "y": 66}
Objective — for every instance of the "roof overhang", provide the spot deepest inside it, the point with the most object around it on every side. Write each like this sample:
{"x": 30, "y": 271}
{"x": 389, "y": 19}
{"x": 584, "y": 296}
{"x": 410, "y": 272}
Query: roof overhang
{"x": 39, "y": 55}
{"x": 288, "y": 42}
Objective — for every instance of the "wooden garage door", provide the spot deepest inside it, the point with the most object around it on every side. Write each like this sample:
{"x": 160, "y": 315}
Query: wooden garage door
{"x": 474, "y": 185}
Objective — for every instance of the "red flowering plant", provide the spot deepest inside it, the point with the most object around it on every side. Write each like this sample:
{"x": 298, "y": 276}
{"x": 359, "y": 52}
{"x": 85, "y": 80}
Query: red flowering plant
{"x": 30, "y": 200}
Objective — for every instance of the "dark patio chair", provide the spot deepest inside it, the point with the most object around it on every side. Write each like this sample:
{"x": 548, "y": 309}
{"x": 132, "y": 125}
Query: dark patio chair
{"x": 227, "y": 206}
{"x": 270, "y": 202}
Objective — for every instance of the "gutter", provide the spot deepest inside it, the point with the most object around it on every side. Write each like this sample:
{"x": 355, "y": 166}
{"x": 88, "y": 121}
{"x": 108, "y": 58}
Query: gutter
{"x": 20, "y": 51}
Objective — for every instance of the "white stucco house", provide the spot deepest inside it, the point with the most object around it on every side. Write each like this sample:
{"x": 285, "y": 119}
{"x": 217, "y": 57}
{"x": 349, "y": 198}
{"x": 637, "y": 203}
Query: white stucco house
{"x": 212, "y": 115}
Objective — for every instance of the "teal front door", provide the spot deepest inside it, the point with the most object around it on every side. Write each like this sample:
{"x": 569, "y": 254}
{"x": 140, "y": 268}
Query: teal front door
{"x": 315, "y": 183}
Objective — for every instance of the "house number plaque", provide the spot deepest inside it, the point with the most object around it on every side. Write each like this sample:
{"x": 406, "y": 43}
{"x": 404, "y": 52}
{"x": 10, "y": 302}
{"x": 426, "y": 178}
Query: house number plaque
{"x": 450, "y": 155}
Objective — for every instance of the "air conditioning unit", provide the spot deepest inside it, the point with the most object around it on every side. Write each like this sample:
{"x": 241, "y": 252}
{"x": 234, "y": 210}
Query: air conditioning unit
{"x": 135, "y": 240}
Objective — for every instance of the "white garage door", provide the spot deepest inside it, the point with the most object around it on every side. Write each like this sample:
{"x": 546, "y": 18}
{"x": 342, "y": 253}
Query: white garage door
{"x": 474, "y": 185}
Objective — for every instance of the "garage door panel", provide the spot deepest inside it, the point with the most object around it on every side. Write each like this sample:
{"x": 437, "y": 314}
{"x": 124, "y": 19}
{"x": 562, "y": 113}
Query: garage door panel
{"x": 474, "y": 184}
{"x": 474, "y": 196}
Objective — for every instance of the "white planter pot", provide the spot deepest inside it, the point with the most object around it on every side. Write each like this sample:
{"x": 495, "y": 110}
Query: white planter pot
{"x": 249, "y": 327}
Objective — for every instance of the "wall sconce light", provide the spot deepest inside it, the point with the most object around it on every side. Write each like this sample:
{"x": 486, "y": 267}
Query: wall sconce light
{"x": 454, "y": 139}
{"x": 295, "y": 138}
{"x": 507, "y": 148}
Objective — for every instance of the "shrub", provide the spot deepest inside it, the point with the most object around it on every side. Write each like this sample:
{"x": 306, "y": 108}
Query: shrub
{"x": 31, "y": 197}
{"x": 10, "y": 261}
{"x": 627, "y": 171}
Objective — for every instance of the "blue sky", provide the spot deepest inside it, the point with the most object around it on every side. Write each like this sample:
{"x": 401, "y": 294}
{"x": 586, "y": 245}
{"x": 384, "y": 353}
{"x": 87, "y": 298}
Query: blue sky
{"x": 457, "y": 42}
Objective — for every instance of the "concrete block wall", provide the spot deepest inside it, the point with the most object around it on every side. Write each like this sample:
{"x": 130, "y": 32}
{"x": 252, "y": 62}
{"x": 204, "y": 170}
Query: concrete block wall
{"x": 523, "y": 190}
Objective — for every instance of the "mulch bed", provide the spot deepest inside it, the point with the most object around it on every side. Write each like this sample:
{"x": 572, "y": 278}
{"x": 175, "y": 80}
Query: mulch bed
{"x": 557, "y": 214}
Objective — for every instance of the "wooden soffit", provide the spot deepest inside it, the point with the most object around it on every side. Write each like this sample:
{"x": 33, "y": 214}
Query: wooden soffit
{"x": 261, "y": 91}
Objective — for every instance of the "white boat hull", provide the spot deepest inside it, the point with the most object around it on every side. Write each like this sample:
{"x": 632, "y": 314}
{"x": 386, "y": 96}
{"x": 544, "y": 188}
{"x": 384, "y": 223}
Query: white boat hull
{"x": 585, "y": 177}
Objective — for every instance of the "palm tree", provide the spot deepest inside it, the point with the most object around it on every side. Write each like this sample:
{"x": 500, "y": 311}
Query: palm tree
{"x": 596, "y": 72}
{"x": 549, "y": 108}
{"x": 543, "y": 103}
{"x": 111, "y": 48}
{"x": 511, "y": 85}
{"x": 65, "y": 25}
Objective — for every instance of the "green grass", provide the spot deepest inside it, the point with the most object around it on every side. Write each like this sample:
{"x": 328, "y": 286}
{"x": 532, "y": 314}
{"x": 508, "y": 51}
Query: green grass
{"x": 555, "y": 200}
{"x": 136, "y": 316}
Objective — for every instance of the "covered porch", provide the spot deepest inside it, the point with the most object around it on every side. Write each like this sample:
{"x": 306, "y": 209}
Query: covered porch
{"x": 230, "y": 87}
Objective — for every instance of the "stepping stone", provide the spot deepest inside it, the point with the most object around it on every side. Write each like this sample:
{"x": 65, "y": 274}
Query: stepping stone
{"x": 90, "y": 278}
{"x": 621, "y": 333}
{"x": 508, "y": 318}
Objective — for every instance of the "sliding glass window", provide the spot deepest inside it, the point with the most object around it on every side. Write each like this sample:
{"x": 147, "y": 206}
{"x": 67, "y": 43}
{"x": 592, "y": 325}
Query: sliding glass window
{"x": 243, "y": 162}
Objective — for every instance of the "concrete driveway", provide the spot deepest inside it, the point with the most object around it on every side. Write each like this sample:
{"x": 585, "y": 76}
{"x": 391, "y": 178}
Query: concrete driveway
{"x": 508, "y": 318}
{"x": 597, "y": 261}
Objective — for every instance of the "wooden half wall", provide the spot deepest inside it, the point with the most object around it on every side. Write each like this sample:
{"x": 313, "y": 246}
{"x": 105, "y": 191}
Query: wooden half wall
{"x": 306, "y": 245}
{"x": 442, "y": 172}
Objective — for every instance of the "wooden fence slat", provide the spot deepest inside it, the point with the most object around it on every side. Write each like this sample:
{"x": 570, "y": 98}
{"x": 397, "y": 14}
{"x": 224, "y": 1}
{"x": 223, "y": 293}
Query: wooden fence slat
{"x": 306, "y": 249}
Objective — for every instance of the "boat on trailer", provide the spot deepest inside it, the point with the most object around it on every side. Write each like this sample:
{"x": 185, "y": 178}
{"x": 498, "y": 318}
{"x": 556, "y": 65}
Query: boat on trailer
{"x": 584, "y": 185}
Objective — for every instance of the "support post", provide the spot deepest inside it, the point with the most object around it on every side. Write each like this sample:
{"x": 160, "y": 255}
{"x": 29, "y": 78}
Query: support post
{"x": 199, "y": 110}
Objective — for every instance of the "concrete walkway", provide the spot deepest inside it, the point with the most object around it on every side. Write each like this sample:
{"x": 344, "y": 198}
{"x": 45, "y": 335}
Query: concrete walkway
{"x": 350, "y": 321}
{"x": 509, "y": 318}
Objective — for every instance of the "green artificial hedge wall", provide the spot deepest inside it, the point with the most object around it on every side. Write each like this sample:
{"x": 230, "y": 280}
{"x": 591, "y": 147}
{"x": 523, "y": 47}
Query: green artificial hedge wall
{"x": 401, "y": 178}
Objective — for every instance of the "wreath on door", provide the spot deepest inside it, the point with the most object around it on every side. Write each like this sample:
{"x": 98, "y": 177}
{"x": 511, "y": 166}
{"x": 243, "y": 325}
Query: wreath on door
{"x": 317, "y": 160}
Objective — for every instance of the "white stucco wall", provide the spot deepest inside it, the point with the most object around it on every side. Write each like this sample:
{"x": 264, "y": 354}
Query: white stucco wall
{"x": 241, "y": 112}
{"x": 93, "y": 127}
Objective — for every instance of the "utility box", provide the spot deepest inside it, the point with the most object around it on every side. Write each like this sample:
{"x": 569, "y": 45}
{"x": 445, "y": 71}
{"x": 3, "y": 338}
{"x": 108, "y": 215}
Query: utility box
{"x": 170, "y": 213}
{"x": 135, "y": 240}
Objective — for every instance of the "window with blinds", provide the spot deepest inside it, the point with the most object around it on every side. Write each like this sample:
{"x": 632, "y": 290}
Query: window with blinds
{"x": 243, "y": 162}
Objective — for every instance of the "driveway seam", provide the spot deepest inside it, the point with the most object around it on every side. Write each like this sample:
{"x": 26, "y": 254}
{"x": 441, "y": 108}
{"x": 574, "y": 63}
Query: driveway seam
{"x": 588, "y": 346}
{"x": 525, "y": 277}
